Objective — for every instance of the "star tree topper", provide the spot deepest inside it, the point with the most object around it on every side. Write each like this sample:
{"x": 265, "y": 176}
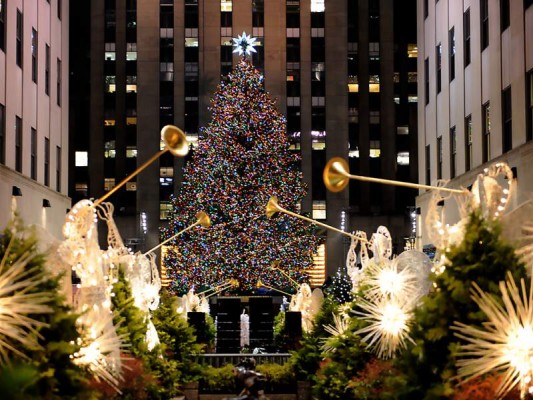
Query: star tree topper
{"x": 244, "y": 44}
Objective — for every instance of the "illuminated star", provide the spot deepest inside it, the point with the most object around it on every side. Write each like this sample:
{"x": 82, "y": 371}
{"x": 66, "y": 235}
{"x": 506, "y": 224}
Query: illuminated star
{"x": 244, "y": 44}
{"x": 505, "y": 343}
{"x": 341, "y": 325}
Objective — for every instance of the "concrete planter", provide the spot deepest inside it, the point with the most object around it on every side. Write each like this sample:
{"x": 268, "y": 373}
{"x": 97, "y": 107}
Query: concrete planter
{"x": 191, "y": 390}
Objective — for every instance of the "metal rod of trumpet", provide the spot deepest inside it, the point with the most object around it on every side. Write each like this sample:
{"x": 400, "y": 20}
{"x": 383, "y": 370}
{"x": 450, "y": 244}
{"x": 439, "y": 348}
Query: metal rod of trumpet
{"x": 261, "y": 284}
{"x": 274, "y": 203}
{"x": 219, "y": 290}
{"x": 275, "y": 266}
{"x": 170, "y": 238}
{"x": 337, "y": 173}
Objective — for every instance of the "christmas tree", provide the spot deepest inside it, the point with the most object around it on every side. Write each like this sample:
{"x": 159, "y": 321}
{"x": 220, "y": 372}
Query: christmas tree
{"x": 242, "y": 160}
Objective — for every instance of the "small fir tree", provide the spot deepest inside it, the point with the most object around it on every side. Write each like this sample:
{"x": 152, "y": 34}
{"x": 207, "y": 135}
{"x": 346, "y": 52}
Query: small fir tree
{"x": 482, "y": 257}
{"x": 48, "y": 367}
{"x": 242, "y": 160}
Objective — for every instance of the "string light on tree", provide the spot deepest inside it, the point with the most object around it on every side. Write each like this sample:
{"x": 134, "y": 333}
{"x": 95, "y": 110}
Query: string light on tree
{"x": 242, "y": 161}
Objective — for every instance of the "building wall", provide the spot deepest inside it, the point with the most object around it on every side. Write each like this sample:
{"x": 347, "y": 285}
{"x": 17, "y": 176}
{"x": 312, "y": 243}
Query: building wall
{"x": 507, "y": 61}
{"x": 46, "y": 113}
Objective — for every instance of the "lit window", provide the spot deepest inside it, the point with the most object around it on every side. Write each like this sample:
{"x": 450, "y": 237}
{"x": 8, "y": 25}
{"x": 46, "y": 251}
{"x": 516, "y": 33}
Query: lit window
{"x": 317, "y": 32}
{"x": 131, "y": 51}
{"x": 318, "y": 141}
{"x": 165, "y": 172}
{"x": 192, "y": 139}
{"x": 412, "y": 77}
{"x": 412, "y": 51}
{"x": 353, "y": 153}
{"x": 412, "y": 99}
{"x": 81, "y": 158}
{"x": 318, "y": 101}
{"x": 403, "y": 158}
{"x": 131, "y": 84}
{"x": 131, "y": 152}
{"x": 226, "y": 5}
{"x": 164, "y": 209}
{"x": 191, "y": 42}
{"x": 166, "y": 33}
{"x": 110, "y": 84}
{"x": 374, "y": 117}
{"x": 131, "y": 186}
{"x": 81, "y": 188}
{"x": 319, "y": 209}
{"x": 317, "y": 6}
{"x": 109, "y": 183}
{"x": 353, "y": 115}
{"x": 293, "y": 102}
{"x": 396, "y": 77}
{"x": 167, "y": 71}
{"x": 258, "y": 31}
{"x": 402, "y": 130}
{"x": 375, "y": 149}
{"x": 109, "y": 151}
{"x": 293, "y": 32}
{"x": 131, "y": 120}
{"x": 109, "y": 122}
{"x": 110, "y": 53}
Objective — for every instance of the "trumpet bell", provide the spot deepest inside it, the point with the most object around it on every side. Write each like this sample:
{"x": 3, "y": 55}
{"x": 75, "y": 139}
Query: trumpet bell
{"x": 175, "y": 140}
{"x": 336, "y": 174}
{"x": 272, "y": 206}
{"x": 274, "y": 265}
{"x": 203, "y": 219}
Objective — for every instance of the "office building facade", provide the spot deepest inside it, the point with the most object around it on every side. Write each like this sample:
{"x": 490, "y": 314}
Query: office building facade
{"x": 475, "y": 65}
{"x": 343, "y": 72}
{"x": 34, "y": 112}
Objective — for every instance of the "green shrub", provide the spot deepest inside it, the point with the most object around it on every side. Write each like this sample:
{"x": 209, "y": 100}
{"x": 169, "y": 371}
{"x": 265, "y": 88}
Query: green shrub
{"x": 280, "y": 378}
{"x": 218, "y": 380}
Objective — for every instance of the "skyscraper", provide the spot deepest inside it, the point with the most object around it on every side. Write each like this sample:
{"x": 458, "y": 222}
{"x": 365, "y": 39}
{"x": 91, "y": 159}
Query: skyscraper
{"x": 34, "y": 112}
{"x": 343, "y": 72}
{"x": 476, "y": 89}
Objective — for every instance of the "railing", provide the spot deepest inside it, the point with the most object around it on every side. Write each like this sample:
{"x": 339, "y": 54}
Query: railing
{"x": 219, "y": 360}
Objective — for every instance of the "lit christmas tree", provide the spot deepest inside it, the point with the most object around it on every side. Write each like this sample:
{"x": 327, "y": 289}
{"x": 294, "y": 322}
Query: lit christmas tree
{"x": 242, "y": 160}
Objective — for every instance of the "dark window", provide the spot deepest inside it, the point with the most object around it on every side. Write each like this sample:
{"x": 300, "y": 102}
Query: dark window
{"x": 529, "y": 105}
{"x": 507, "y": 120}
{"x": 484, "y": 14}
{"x": 486, "y": 132}
{"x": 2, "y": 134}
{"x": 34, "y": 50}
{"x": 58, "y": 168}
{"x": 438, "y": 66}
{"x": 439, "y": 157}
{"x": 59, "y": 71}
{"x": 18, "y": 144}
{"x": 451, "y": 53}
{"x": 466, "y": 36}
{"x": 3, "y": 6}
{"x": 428, "y": 165}
{"x": 226, "y": 19}
{"x": 527, "y": 3}
{"x": 505, "y": 17}
{"x": 426, "y": 80}
{"x": 47, "y": 70}
{"x": 47, "y": 162}
{"x": 426, "y": 8}
{"x": 59, "y": 6}
{"x": 18, "y": 47}
{"x": 468, "y": 143}
{"x": 33, "y": 159}
{"x": 453, "y": 152}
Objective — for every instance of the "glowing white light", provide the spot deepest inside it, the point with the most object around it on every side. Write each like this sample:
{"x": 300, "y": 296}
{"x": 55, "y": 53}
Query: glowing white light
{"x": 340, "y": 326}
{"x": 244, "y": 44}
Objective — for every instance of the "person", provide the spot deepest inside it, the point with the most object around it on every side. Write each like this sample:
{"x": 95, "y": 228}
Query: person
{"x": 252, "y": 382}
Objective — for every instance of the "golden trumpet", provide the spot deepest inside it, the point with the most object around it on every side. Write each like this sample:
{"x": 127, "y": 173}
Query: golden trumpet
{"x": 175, "y": 142}
{"x": 275, "y": 266}
{"x": 260, "y": 284}
{"x": 201, "y": 219}
{"x": 221, "y": 287}
{"x": 272, "y": 207}
{"x": 337, "y": 174}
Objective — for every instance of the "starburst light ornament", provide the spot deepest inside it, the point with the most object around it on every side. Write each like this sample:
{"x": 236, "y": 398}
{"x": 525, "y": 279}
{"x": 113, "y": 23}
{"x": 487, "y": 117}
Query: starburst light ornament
{"x": 341, "y": 325}
{"x": 17, "y": 306}
{"x": 389, "y": 321}
{"x": 244, "y": 44}
{"x": 505, "y": 343}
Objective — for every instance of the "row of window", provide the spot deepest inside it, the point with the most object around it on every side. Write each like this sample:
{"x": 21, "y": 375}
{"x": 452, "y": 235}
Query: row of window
{"x": 34, "y": 51}
{"x": 33, "y": 151}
